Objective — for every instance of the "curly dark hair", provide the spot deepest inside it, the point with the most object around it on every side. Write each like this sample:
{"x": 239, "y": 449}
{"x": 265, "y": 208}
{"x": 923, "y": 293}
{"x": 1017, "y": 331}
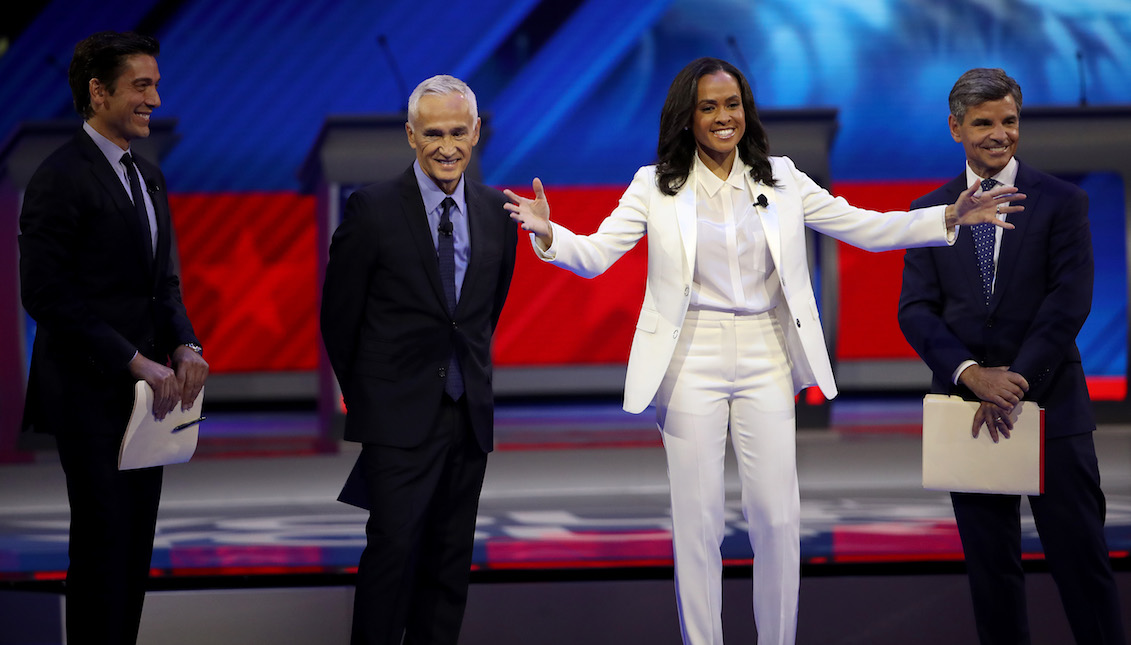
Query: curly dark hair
{"x": 675, "y": 150}
{"x": 103, "y": 56}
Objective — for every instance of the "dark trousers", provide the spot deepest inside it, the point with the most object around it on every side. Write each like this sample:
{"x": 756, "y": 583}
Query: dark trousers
{"x": 1069, "y": 518}
{"x": 413, "y": 576}
{"x": 113, "y": 518}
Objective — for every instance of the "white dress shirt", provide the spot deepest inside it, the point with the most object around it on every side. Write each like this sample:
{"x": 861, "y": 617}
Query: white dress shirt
{"x": 733, "y": 268}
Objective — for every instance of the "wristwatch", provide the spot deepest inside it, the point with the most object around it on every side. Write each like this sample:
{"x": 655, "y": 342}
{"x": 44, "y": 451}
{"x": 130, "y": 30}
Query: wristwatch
{"x": 196, "y": 348}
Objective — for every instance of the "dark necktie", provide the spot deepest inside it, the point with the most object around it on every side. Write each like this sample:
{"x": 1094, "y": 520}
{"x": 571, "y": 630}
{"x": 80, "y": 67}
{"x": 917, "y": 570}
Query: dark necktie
{"x": 139, "y": 201}
{"x": 984, "y": 235}
{"x": 446, "y": 251}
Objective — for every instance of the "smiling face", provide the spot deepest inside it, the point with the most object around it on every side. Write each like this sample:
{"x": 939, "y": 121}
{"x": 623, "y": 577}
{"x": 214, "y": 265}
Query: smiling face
{"x": 443, "y": 134}
{"x": 122, "y": 109}
{"x": 989, "y": 134}
{"x": 719, "y": 120}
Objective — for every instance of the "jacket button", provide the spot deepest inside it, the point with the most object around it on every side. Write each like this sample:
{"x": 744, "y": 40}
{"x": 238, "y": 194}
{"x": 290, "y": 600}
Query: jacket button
{"x": 675, "y": 333}
{"x": 990, "y": 322}
{"x": 798, "y": 321}
{"x": 687, "y": 291}
{"x": 443, "y": 371}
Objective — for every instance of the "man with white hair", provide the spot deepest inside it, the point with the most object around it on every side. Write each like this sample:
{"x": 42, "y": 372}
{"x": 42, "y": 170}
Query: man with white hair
{"x": 418, "y": 272}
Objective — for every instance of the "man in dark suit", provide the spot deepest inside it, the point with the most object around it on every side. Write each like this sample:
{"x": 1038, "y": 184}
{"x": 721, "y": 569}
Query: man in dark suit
{"x": 417, "y": 276}
{"x": 97, "y": 275}
{"x": 995, "y": 317}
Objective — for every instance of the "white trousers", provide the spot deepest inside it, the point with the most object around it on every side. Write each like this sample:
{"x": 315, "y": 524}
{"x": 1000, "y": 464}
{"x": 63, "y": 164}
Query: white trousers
{"x": 732, "y": 371}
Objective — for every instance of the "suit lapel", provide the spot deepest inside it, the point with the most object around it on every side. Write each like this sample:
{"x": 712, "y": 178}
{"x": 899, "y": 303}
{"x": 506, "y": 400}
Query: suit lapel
{"x": 479, "y": 228}
{"x": 108, "y": 178}
{"x": 161, "y": 215}
{"x": 1011, "y": 240}
{"x": 768, "y": 215}
{"x": 416, "y": 220}
{"x": 686, "y": 219}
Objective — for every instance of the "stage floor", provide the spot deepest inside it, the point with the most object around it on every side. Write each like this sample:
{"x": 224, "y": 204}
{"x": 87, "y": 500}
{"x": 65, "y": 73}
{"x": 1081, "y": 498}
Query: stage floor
{"x": 575, "y": 487}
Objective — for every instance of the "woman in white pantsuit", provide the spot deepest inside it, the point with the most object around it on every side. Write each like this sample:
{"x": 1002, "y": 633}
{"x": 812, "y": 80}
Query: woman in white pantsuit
{"x": 728, "y": 331}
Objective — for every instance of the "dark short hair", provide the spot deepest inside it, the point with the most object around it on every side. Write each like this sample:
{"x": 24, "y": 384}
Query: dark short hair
{"x": 103, "y": 56}
{"x": 980, "y": 85}
{"x": 675, "y": 150}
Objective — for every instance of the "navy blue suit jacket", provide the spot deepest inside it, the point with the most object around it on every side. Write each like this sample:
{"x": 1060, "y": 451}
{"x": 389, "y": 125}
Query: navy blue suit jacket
{"x": 385, "y": 320}
{"x": 1042, "y": 296}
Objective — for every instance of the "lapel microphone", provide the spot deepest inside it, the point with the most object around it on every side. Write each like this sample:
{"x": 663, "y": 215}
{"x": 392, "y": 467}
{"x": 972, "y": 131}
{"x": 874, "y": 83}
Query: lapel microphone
{"x": 762, "y": 201}
{"x": 150, "y": 187}
{"x": 446, "y": 228}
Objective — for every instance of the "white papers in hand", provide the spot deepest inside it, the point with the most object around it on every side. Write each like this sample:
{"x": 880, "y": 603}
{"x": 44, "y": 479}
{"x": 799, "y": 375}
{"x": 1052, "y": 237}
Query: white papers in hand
{"x": 149, "y": 442}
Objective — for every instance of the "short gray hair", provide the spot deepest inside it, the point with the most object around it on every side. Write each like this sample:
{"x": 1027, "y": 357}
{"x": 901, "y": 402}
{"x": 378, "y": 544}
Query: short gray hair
{"x": 441, "y": 85}
{"x": 980, "y": 85}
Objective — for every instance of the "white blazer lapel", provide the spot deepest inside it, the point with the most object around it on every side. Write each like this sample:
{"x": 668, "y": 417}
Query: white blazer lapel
{"x": 686, "y": 217}
{"x": 768, "y": 215}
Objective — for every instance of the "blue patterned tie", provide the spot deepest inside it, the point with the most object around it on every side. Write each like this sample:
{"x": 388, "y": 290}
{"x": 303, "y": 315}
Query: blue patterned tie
{"x": 446, "y": 253}
{"x": 984, "y": 235}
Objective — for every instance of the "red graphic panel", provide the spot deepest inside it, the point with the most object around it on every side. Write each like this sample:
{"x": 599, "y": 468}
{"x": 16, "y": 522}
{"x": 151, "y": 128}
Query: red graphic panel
{"x": 249, "y": 264}
{"x": 554, "y": 317}
{"x": 867, "y": 328}
{"x": 249, "y": 271}
{"x": 897, "y": 541}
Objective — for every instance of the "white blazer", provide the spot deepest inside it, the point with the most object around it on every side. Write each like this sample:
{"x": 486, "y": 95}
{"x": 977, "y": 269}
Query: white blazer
{"x": 670, "y": 222}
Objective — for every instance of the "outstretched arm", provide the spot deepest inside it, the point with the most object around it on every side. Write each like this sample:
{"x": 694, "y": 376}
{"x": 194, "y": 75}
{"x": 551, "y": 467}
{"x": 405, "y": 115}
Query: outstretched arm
{"x": 586, "y": 255}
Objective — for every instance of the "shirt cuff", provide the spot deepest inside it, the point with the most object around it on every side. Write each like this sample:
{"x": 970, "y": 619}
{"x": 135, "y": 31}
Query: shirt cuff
{"x": 951, "y": 232}
{"x": 962, "y": 368}
{"x": 547, "y": 253}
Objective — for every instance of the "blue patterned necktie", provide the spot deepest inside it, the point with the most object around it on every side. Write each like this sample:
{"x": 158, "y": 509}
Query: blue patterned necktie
{"x": 984, "y": 238}
{"x": 446, "y": 253}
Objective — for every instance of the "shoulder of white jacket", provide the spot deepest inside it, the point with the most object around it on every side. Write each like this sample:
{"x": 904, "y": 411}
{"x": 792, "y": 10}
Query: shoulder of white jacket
{"x": 646, "y": 171}
{"x": 782, "y": 162}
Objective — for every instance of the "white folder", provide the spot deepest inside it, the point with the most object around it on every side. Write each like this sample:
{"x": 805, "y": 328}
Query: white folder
{"x": 953, "y": 460}
{"x": 149, "y": 442}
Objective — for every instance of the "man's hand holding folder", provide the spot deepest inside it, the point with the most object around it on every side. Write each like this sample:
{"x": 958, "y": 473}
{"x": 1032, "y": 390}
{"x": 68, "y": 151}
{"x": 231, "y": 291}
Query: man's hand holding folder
{"x": 1000, "y": 391}
{"x": 955, "y": 460}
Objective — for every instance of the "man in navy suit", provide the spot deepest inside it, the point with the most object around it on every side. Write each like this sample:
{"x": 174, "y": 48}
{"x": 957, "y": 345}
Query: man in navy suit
{"x": 97, "y": 275}
{"x": 995, "y": 317}
{"x": 418, "y": 272}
